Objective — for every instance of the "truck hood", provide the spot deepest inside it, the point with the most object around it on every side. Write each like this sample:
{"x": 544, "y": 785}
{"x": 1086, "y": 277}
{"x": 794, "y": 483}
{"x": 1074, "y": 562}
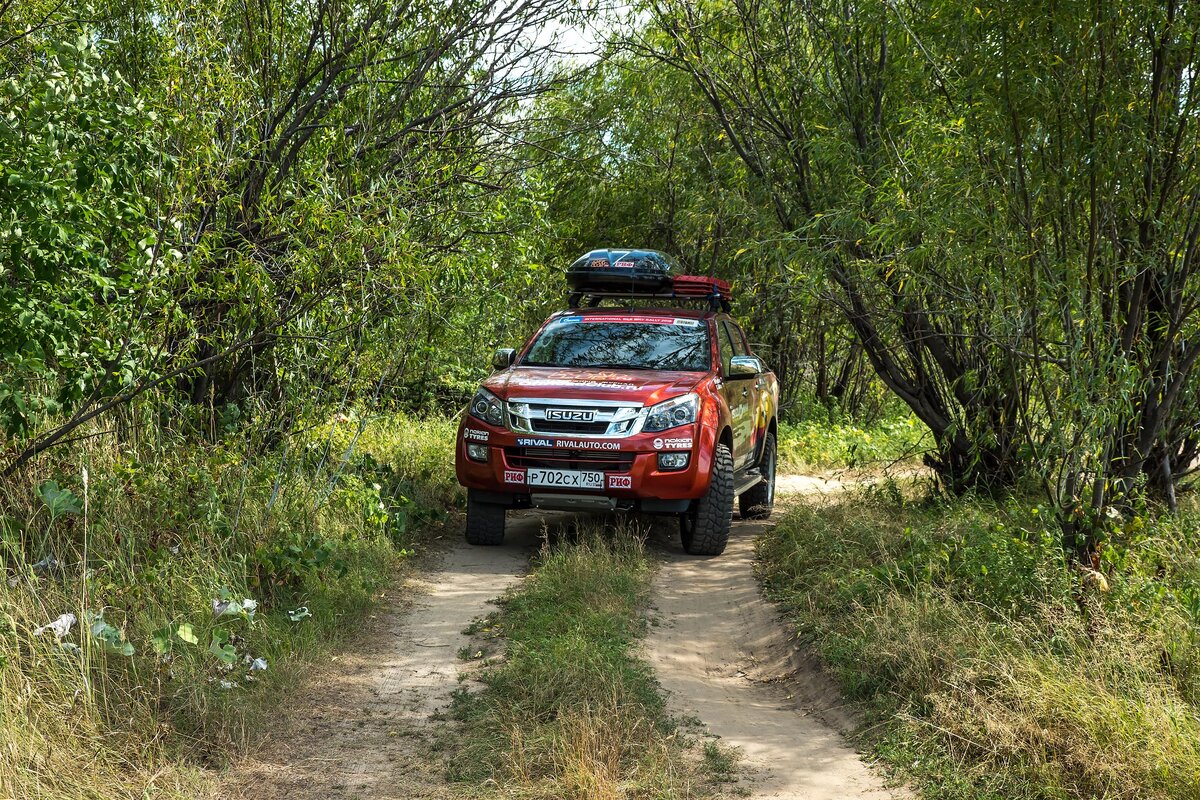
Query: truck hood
{"x": 632, "y": 386}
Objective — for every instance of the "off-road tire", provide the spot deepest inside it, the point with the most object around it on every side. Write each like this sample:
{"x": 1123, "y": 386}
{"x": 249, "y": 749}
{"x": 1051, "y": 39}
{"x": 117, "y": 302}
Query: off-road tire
{"x": 757, "y": 502}
{"x": 704, "y": 528}
{"x": 485, "y": 521}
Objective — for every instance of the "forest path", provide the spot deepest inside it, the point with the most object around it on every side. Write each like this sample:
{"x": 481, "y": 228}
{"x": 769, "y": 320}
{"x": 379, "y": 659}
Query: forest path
{"x": 364, "y": 726}
{"x": 725, "y": 657}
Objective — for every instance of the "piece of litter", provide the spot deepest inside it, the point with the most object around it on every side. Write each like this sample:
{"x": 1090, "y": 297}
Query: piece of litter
{"x": 222, "y": 608}
{"x": 47, "y": 566}
{"x": 59, "y": 627}
{"x": 297, "y": 614}
{"x": 258, "y": 664}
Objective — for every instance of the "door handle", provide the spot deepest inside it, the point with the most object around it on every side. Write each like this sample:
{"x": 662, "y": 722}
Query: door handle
{"x": 745, "y": 392}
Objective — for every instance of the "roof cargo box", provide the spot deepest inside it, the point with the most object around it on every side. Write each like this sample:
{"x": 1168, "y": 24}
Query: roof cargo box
{"x": 610, "y": 271}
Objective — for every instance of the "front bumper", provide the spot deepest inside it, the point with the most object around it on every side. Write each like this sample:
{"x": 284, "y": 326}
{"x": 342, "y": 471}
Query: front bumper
{"x": 632, "y": 477}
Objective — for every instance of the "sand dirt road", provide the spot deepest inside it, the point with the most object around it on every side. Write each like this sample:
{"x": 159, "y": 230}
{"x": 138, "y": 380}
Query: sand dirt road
{"x": 365, "y": 728}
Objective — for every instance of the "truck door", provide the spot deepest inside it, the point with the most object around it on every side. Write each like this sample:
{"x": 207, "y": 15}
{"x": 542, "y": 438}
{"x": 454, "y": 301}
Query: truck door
{"x": 739, "y": 394}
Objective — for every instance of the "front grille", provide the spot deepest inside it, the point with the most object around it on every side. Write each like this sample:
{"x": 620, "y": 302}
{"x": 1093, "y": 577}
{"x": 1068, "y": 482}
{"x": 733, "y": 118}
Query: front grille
{"x": 548, "y": 426}
{"x": 555, "y": 458}
{"x": 607, "y": 417}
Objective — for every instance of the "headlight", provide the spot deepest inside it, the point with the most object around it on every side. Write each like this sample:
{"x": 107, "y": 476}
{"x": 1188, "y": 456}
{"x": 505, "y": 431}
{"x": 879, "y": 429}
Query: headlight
{"x": 487, "y": 407}
{"x": 672, "y": 413}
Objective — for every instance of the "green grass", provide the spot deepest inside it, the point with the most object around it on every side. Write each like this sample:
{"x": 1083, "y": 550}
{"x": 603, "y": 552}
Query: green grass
{"x": 997, "y": 669}
{"x": 821, "y": 443}
{"x": 169, "y": 528}
{"x": 570, "y": 711}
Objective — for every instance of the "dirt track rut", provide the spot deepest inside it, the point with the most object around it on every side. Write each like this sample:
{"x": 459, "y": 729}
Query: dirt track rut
{"x": 723, "y": 655}
{"x": 364, "y": 728}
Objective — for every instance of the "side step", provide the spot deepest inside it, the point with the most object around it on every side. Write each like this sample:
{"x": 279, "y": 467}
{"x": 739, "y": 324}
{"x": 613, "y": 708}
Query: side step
{"x": 746, "y": 481}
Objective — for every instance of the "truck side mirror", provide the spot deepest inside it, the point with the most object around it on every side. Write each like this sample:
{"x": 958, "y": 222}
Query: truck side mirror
{"x": 504, "y": 357}
{"x": 745, "y": 367}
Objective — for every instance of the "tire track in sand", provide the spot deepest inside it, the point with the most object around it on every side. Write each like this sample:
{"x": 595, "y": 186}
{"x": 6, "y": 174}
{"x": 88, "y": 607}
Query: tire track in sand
{"x": 362, "y": 728}
{"x": 723, "y": 654}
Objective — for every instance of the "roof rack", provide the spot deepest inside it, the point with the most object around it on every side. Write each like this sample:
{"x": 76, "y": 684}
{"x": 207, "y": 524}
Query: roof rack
{"x": 683, "y": 288}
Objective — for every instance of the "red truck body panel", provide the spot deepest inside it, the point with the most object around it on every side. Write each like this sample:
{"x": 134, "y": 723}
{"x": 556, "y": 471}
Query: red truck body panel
{"x": 629, "y": 462}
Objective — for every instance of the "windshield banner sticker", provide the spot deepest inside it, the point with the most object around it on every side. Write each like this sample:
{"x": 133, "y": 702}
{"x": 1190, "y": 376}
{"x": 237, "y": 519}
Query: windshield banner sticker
{"x": 672, "y": 444}
{"x": 635, "y": 318}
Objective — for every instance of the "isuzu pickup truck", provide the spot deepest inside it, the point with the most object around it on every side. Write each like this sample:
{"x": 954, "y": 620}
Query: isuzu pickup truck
{"x": 646, "y": 405}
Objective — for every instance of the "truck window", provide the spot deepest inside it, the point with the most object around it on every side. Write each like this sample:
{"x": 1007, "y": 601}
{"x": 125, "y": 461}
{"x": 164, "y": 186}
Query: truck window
{"x": 731, "y": 344}
{"x": 655, "y": 343}
{"x": 736, "y": 338}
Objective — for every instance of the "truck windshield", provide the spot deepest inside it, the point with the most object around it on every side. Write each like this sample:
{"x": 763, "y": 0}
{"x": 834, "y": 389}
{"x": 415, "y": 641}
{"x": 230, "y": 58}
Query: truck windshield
{"x": 659, "y": 343}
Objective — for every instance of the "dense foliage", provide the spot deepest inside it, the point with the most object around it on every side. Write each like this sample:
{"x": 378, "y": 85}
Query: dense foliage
{"x": 1000, "y": 204}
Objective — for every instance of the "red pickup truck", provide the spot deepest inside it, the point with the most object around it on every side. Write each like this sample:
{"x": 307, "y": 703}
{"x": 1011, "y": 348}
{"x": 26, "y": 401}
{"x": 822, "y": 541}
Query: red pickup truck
{"x": 643, "y": 407}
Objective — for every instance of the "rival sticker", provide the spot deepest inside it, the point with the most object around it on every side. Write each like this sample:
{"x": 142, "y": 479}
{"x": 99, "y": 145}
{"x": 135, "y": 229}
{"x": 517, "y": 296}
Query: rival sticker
{"x": 527, "y": 442}
{"x": 514, "y": 476}
{"x": 589, "y": 444}
{"x": 672, "y": 444}
{"x": 620, "y": 481}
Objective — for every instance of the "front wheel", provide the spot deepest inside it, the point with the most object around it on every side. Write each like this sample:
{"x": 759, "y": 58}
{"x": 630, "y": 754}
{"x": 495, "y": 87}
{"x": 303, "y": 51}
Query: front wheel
{"x": 485, "y": 521}
{"x": 757, "y": 502}
{"x": 704, "y": 528}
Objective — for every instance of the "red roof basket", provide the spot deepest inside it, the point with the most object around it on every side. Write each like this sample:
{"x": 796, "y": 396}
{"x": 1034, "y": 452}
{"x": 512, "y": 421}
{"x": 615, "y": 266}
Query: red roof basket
{"x": 699, "y": 286}
{"x": 714, "y": 291}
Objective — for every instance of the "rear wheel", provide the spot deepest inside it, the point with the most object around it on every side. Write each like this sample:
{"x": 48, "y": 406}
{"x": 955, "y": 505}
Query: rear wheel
{"x": 704, "y": 527}
{"x": 485, "y": 521}
{"x": 757, "y": 502}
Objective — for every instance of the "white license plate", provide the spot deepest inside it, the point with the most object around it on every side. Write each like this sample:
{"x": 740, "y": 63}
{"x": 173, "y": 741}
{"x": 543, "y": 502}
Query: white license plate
{"x": 565, "y": 478}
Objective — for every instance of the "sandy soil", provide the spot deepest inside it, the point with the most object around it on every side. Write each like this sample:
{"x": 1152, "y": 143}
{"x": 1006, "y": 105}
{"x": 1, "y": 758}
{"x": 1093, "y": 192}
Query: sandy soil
{"x": 364, "y": 729}
{"x": 724, "y": 656}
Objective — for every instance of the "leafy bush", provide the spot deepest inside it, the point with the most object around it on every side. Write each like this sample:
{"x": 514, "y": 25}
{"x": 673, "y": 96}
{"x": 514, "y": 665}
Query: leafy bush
{"x": 1001, "y": 669}
{"x": 824, "y": 442}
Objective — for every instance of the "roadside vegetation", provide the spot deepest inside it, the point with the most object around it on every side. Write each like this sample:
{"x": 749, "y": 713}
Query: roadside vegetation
{"x": 185, "y": 589}
{"x": 568, "y": 709}
{"x": 825, "y": 440}
{"x": 1000, "y": 667}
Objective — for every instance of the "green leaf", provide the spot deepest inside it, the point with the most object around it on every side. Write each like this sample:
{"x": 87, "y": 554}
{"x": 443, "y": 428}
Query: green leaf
{"x": 186, "y": 633}
{"x": 220, "y": 647}
{"x": 58, "y": 500}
